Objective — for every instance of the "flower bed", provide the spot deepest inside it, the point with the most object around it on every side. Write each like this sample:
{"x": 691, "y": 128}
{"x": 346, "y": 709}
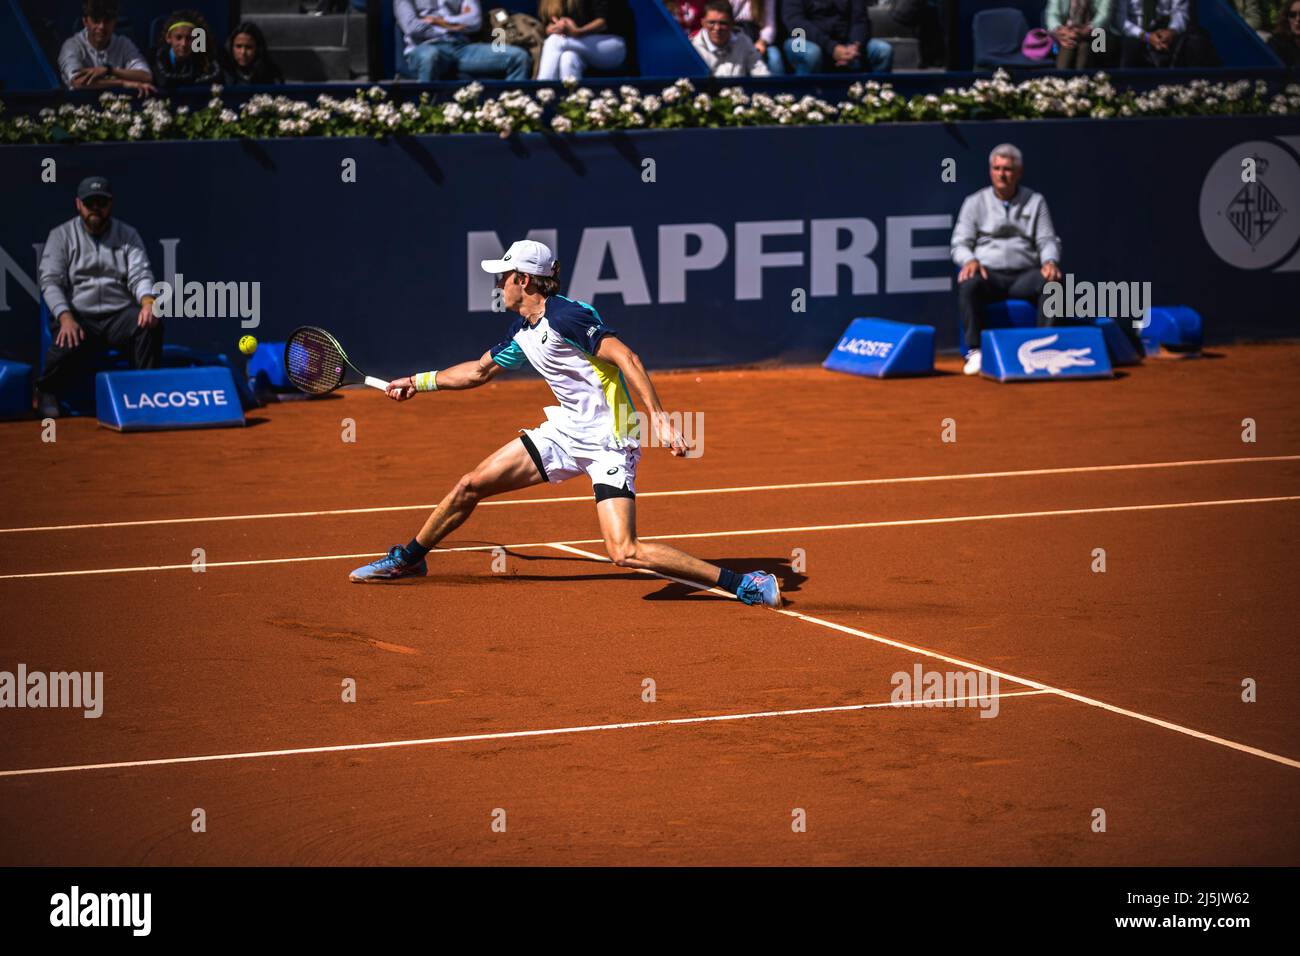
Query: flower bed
{"x": 370, "y": 112}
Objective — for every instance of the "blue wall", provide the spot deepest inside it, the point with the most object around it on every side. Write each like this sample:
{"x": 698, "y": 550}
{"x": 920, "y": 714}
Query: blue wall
{"x": 386, "y": 261}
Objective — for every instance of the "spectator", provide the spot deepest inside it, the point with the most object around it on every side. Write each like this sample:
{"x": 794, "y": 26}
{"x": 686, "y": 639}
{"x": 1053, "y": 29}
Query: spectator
{"x": 582, "y": 33}
{"x": 182, "y": 57}
{"x": 1071, "y": 22}
{"x": 757, "y": 20}
{"x": 1285, "y": 41}
{"x": 834, "y": 34}
{"x": 1252, "y": 11}
{"x": 96, "y": 280}
{"x": 1005, "y": 246}
{"x": 97, "y": 59}
{"x": 248, "y": 61}
{"x": 437, "y": 46}
{"x": 688, "y": 14}
{"x": 1156, "y": 34}
{"x": 724, "y": 50}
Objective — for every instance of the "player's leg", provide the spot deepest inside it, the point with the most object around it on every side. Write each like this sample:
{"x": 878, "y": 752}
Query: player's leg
{"x": 510, "y": 467}
{"x": 617, "y": 515}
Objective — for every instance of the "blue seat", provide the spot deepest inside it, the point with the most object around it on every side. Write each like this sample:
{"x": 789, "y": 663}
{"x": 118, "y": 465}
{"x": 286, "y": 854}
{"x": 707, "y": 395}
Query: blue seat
{"x": 1009, "y": 314}
{"x": 997, "y": 35}
{"x": 15, "y": 389}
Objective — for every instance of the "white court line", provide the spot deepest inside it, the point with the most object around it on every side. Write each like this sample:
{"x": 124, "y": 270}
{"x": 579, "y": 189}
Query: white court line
{"x": 857, "y": 482}
{"x": 681, "y": 536}
{"x": 503, "y": 735}
{"x": 1002, "y": 675}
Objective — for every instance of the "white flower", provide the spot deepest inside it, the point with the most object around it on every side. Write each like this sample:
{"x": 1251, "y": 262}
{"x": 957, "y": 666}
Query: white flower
{"x": 229, "y": 116}
{"x": 562, "y": 124}
{"x": 545, "y": 96}
{"x": 469, "y": 93}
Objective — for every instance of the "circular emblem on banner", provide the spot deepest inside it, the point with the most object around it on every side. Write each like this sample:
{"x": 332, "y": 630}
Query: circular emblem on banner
{"x": 1250, "y": 212}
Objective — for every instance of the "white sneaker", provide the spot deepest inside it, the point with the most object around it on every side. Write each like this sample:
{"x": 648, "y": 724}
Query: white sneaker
{"x": 972, "y": 362}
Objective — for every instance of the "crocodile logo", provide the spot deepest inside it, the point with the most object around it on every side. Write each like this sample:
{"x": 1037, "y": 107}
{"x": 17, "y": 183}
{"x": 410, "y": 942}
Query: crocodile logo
{"x": 1034, "y": 356}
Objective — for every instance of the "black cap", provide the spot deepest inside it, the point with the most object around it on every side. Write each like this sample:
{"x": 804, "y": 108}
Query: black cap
{"x": 94, "y": 186}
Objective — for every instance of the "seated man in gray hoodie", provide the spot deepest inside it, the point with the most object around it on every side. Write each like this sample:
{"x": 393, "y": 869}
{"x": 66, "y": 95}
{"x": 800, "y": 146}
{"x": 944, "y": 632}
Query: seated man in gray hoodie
{"x": 96, "y": 280}
{"x": 1005, "y": 246}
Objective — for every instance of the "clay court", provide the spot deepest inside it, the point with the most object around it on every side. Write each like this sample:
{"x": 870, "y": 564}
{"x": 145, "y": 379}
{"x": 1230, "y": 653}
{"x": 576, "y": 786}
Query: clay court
{"x": 521, "y": 690}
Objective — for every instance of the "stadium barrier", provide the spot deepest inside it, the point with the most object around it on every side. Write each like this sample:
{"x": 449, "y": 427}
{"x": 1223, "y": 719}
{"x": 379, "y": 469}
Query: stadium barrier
{"x": 803, "y": 230}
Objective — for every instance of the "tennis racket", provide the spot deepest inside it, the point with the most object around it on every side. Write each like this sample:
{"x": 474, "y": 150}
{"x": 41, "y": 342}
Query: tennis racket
{"x": 316, "y": 363}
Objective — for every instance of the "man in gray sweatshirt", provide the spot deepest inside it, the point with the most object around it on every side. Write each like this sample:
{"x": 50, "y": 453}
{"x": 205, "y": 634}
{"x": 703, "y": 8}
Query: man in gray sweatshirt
{"x": 1005, "y": 246}
{"x": 96, "y": 280}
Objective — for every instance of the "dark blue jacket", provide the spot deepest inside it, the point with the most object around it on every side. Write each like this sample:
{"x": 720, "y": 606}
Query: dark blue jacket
{"x": 828, "y": 22}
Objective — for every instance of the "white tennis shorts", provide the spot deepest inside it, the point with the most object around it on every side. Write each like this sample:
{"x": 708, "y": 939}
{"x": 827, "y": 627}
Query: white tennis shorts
{"x": 612, "y": 469}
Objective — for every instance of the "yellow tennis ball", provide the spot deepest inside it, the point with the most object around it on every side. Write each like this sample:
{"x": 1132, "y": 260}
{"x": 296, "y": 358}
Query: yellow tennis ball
{"x": 248, "y": 345}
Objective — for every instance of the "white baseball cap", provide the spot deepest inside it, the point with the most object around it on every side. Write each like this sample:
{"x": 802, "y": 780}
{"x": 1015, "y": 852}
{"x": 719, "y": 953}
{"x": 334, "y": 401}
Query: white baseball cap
{"x": 528, "y": 256}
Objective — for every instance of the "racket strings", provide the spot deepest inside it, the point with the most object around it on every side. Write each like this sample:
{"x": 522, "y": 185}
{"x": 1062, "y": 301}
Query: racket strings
{"x": 314, "y": 362}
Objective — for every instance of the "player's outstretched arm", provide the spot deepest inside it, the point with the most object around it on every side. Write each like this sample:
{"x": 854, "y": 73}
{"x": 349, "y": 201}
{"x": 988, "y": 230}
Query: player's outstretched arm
{"x": 456, "y": 378}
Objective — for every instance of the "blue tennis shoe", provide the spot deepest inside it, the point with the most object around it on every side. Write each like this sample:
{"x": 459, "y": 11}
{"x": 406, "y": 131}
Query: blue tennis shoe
{"x": 396, "y": 564}
{"x": 759, "y": 587}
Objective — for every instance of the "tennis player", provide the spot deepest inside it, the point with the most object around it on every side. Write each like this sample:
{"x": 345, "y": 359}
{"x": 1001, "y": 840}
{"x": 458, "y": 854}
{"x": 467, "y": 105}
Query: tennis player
{"x": 593, "y": 375}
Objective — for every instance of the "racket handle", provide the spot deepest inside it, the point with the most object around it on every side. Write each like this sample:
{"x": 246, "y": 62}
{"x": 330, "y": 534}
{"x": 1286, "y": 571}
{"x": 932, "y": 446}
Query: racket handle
{"x": 378, "y": 383}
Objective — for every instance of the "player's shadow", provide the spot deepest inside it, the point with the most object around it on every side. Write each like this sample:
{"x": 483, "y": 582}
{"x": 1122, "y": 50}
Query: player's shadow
{"x": 790, "y": 579}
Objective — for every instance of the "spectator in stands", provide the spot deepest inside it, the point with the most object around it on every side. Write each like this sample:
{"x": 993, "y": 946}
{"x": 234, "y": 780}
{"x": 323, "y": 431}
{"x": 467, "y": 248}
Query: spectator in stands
{"x": 1071, "y": 22}
{"x": 833, "y": 34}
{"x": 757, "y": 20}
{"x": 1252, "y": 11}
{"x": 96, "y": 59}
{"x": 1156, "y": 33}
{"x": 437, "y": 46}
{"x": 688, "y": 14}
{"x": 1285, "y": 41}
{"x": 581, "y": 34}
{"x": 1005, "y": 246}
{"x": 184, "y": 55}
{"x": 248, "y": 61}
{"x": 725, "y": 50}
{"x": 96, "y": 280}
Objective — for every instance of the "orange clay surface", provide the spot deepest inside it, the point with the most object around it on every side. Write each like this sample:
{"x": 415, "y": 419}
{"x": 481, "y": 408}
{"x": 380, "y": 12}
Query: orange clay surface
{"x": 1119, "y": 690}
